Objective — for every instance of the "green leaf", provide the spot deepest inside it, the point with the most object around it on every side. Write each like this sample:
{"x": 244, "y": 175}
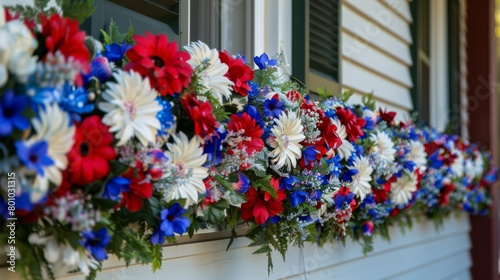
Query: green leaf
{"x": 233, "y": 237}
{"x": 369, "y": 101}
{"x": 113, "y": 35}
{"x": 77, "y": 9}
{"x": 346, "y": 95}
{"x": 325, "y": 93}
{"x": 157, "y": 253}
{"x": 264, "y": 184}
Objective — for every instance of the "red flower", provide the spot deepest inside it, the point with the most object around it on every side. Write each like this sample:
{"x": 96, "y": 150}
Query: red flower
{"x": 261, "y": 206}
{"x": 140, "y": 188}
{"x": 388, "y": 117}
{"x": 238, "y": 73}
{"x": 329, "y": 133}
{"x": 444, "y": 194}
{"x": 91, "y": 151}
{"x": 250, "y": 139}
{"x": 352, "y": 123}
{"x": 161, "y": 62}
{"x": 200, "y": 114}
{"x": 380, "y": 195}
{"x": 293, "y": 95}
{"x": 63, "y": 34}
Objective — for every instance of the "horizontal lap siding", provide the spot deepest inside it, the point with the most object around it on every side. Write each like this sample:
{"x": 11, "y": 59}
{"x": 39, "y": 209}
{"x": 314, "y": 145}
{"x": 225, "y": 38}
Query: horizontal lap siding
{"x": 376, "y": 57}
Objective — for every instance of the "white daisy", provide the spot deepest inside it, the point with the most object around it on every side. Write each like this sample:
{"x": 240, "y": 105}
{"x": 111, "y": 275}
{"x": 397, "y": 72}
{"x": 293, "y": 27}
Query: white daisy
{"x": 403, "y": 188}
{"x": 187, "y": 159}
{"x": 478, "y": 164}
{"x": 417, "y": 155}
{"x": 131, "y": 108}
{"x": 360, "y": 184}
{"x": 458, "y": 164}
{"x": 383, "y": 145}
{"x": 214, "y": 70}
{"x": 346, "y": 148}
{"x": 288, "y": 133}
{"x": 52, "y": 126}
{"x": 16, "y": 49}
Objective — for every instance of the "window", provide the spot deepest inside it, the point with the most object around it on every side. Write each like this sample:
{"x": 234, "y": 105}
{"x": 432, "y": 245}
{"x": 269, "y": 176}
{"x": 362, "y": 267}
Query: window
{"x": 316, "y": 43}
{"x": 420, "y": 50}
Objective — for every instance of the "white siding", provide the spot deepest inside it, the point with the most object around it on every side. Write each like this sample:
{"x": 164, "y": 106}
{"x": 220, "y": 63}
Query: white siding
{"x": 422, "y": 252}
{"x": 376, "y": 57}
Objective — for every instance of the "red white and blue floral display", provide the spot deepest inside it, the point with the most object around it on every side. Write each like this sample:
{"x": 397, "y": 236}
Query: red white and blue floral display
{"x": 121, "y": 150}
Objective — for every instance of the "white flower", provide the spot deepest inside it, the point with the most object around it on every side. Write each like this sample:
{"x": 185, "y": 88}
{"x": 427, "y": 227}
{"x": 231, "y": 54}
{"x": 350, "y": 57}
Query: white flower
{"x": 213, "y": 74}
{"x": 478, "y": 165}
{"x": 346, "y": 148}
{"x": 458, "y": 164}
{"x": 288, "y": 133}
{"x": 402, "y": 189}
{"x": 131, "y": 108}
{"x": 187, "y": 159}
{"x": 52, "y": 126}
{"x": 360, "y": 184}
{"x": 383, "y": 145}
{"x": 417, "y": 155}
{"x": 16, "y": 49}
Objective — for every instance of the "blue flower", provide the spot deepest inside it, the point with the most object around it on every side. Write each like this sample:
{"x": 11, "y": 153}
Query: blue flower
{"x": 243, "y": 184}
{"x": 297, "y": 198}
{"x": 11, "y": 109}
{"x": 35, "y": 156}
{"x": 115, "y": 52}
{"x": 335, "y": 165}
{"x": 75, "y": 101}
{"x": 99, "y": 68}
{"x": 288, "y": 182}
{"x": 344, "y": 196}
{"x": 115, "y": 186}
{"x": 263, "y": 61}
{"x": 316, "y": 195}
{"x": 273, "y": 107}
{"x": 165, "y": 116}
{"x": 95, "y": 242}
{"x": 347, "y": 176}
{"x": 254, "y": 90}
{"x": 157, "y": 237}
{"x": 213, "y": 148}
{"x": 309, "y": 155}
{"x": 173, "y": 221}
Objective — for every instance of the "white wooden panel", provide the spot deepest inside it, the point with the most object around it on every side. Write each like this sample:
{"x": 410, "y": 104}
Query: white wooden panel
{"x": 402, "y": 113}
{"x": 387, "y": 18}
{"x": 372, "y": 33}
{"x": 383, "y": 89}
{"x": 402, "y": 7}
{"x": 450, "y": 267}
{"x": 377, "y": 61}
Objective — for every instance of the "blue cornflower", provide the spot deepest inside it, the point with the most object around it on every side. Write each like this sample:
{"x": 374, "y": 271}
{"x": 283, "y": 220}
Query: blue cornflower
{"x": 34, "y": 156}
{"x": 11, "y": 109}
{"x": 347, "y": 176}
{"x": 254, "y": 90}
{"x": 115, "y": 186}
{"x": 95, "y": 242}
{"x": 335, "y": 165}
{"x": 165, "y": 115}
{"x": 243, "y": 184}
{"x": 213, "y": 148}
{"x": 343, "y": 196}
{"x": 100, "y": 68}
{"x": 288, "y": 182}
{"x": 297, "y": 198}
{"x": 172, "y": 222}
{"x": 263, "y": 61}
{"x": 273, "y": 107}
{"x": 75, "y": 101}
{"x": 115, "y": 52}
{"x": 309, "y": 154}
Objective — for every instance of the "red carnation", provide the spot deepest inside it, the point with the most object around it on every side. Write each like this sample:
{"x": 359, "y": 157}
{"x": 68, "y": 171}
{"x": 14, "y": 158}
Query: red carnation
{"x": 388, "y": 117}
{"x": 238, "y": 73}
{"x": 329, "y": 133}
{"x": 250, "y": 138}
{"x": 444, "y": 194}
{"x": 293, "y": 95}
{"x": 91, "y": 151}
{"x": 140, "y": 189}
{"x": 261, "y": 206}
{"x": 200, "y": 114}
{"x": 352, "y": 123}
{"x": 63, "y": 34}
{"x": 161, "y": 62}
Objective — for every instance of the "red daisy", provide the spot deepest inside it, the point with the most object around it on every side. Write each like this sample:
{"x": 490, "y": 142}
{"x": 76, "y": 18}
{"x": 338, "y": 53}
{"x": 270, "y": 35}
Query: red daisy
{"x": 352, "y": 123}
{"x": 161, "y": 62}
{"x": 251, "y": 133}
{"x": 89, "y": 158}
{"x": 200, "y": 114}
{"x": 238, "y": 73}
{"x": 329, "y": 134}
{"x": 140, "y": 189}
{"x": 261, "y": 206}
{"x": 63, "y": 34}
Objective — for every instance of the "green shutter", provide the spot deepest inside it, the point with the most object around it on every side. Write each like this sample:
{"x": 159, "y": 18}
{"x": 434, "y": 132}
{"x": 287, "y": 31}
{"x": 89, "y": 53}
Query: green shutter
{"x": 454, "y": 66}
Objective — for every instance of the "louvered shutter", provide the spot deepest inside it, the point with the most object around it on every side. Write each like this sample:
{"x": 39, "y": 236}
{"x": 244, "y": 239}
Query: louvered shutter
{"x": 454, "y": 66}
{"x": 324, "y": 37}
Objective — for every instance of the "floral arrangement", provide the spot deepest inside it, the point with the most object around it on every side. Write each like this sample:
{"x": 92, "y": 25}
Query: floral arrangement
{"x": 121, "y": 150}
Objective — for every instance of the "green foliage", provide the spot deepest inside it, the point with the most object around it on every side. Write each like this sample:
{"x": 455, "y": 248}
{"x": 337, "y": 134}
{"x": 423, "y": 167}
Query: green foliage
{"x": 263, "y": 184}
{"x": 76, "y": 9}
{"x": 157, "y": 254}
{"x": 369, "y": 101}
{"x": 325, "y": 93}
{"x": 346, "y": 95}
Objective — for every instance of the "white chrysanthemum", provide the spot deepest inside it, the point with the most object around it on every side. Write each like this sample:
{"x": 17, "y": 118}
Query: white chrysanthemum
{"x": 187, "y": 159}
{"x": 403, "y": 188}
{"x": 458, "y": 164}
{"x": 383, "y": 145}
{"x": 346, "y": 148}
{"x": 52, "y": 126}
{"x": 360, "y": 184}
{"x": 417, "y": 155}
{"x": 16, "y": 49}
{"x": 131, "y": 108}
{"x": 288, "y": 133}
{"x": 478, "y": 165}
{"x": 213, "y": 74}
